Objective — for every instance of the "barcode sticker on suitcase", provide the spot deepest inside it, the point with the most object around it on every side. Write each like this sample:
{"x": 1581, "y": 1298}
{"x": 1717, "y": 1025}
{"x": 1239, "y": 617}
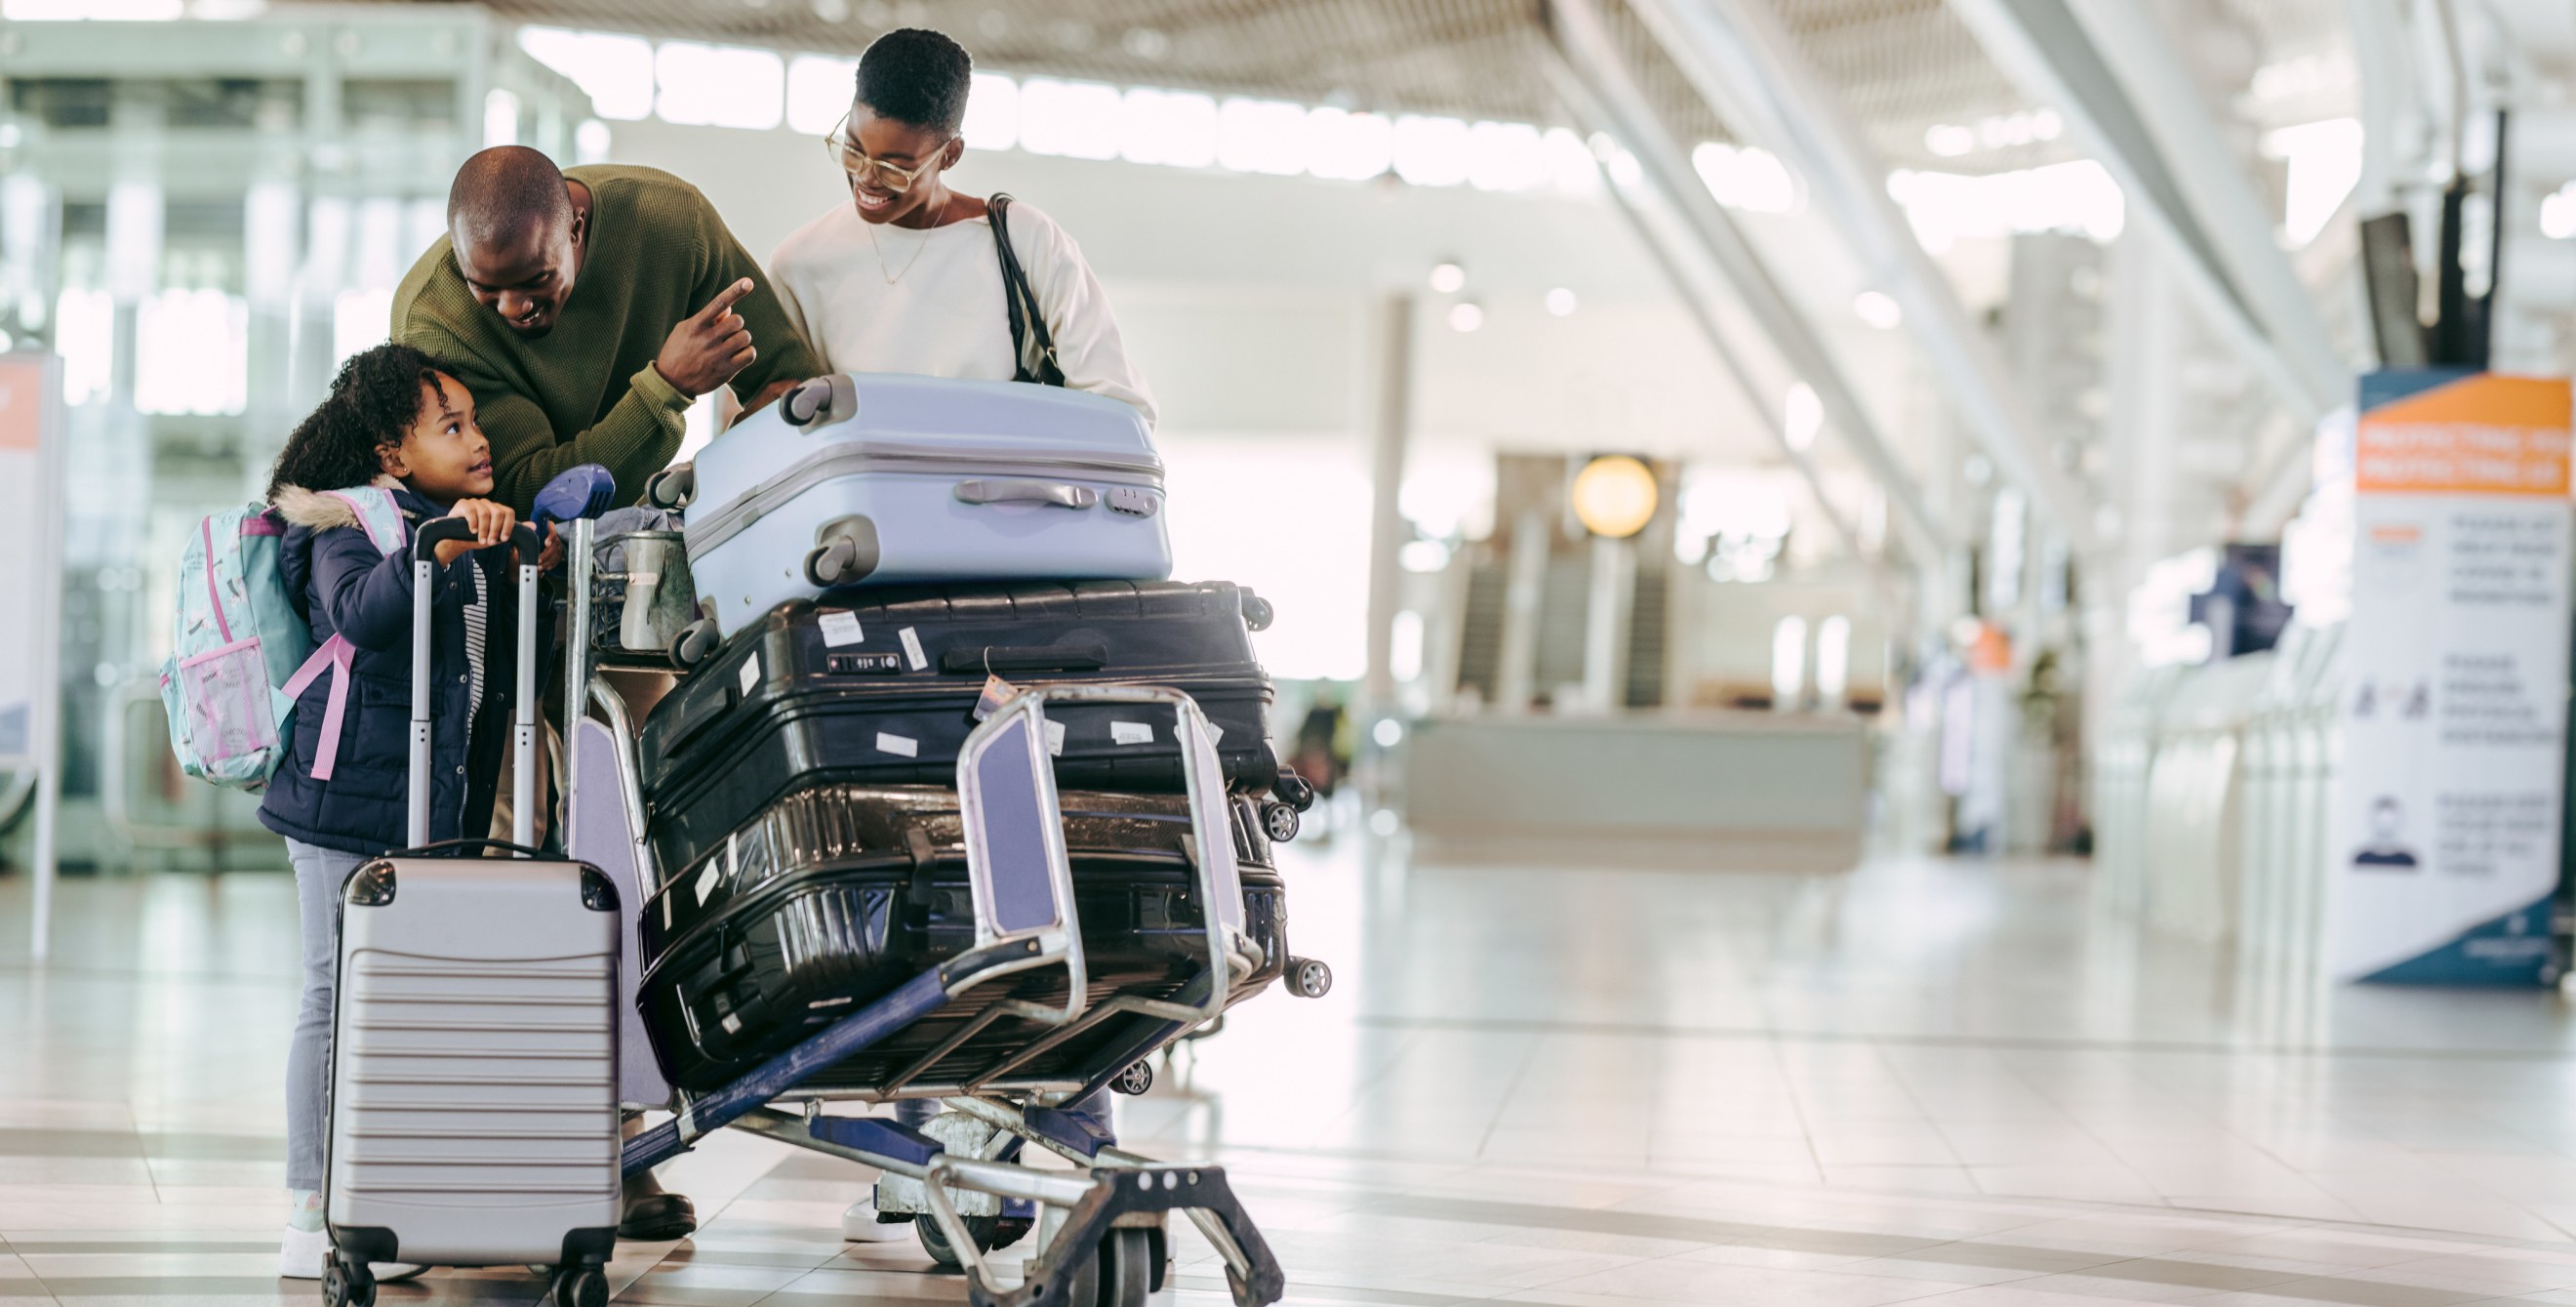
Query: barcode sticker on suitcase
{"x": 839, "y": 628}
{"x": 903, "y": 745}
{"x": 1130, "y": 733}
{"x": 751, "y": 674}
{"x": 912, "y": 649}
{"x": 1055, "y": 738}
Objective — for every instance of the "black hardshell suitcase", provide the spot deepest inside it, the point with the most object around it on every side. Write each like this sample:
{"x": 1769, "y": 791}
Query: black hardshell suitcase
{"x": 880, "y": 687}
{"x": 839, "y": 893}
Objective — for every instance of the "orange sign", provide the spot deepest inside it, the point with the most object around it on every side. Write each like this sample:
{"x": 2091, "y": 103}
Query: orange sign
{"x": 22, "y": 401}
{"x": 2481, "y": 435}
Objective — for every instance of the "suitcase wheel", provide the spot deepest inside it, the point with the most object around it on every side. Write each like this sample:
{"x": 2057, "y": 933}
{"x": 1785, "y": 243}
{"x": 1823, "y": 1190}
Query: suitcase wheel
{"x": 581, "y": 1286}
{"x": 1257, "y": 612}
{"x": 695, "y": 642}
{"x": 829, "y": 563}
{"x": 1279, "y": 821}
{"x": 672, "y": 487}
{"x": 1308, "y": 978}
{"x": 1136, "y": 1079}
{"x": 344, "y": 1285}
{"x": 1291, "y": 789}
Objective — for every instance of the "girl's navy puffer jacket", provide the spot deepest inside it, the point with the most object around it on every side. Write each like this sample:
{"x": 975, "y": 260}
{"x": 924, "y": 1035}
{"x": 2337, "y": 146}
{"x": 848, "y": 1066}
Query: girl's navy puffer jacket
{"x": 350, "y": 588}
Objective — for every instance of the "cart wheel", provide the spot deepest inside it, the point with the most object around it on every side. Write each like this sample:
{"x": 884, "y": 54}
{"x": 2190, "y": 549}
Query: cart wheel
{"x": 934, "y": 1241}
{"x": 1126, "y": 1269}
{"x": 695, "y": 642}
{"x": 831, "y": 561}
{"x": 1159, "y": 1245}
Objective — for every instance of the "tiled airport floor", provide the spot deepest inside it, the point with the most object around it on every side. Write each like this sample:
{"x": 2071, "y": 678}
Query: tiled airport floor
{"x": 1927, "y": 1081}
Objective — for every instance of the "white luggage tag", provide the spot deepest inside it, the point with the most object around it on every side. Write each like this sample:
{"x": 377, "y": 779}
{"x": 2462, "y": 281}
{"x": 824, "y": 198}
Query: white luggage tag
{"x": 840, "y": 627}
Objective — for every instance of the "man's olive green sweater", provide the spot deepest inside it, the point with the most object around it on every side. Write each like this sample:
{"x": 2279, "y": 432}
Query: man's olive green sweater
{"x": 586, "y": 392}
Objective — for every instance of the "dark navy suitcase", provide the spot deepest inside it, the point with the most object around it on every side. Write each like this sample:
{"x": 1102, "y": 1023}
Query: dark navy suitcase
{"x": 880, "y": 687}
{"x": 841, "y": 892}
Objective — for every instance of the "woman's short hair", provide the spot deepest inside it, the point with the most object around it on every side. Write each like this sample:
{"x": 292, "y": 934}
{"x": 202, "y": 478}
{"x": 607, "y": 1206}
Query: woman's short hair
{"x": 917, "y": 76}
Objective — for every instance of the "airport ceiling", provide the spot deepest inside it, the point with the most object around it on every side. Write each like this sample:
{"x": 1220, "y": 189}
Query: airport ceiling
{"x": 1902, "y": 65}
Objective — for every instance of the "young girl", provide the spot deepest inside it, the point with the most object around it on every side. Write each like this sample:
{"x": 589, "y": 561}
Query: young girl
{"x": 392, "y": 420}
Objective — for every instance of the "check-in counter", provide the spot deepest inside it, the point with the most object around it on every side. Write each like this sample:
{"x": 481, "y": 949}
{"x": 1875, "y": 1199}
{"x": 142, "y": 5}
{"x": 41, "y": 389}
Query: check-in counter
{"x": 2212, "y": 785}
{"x": 1719, "y": 790}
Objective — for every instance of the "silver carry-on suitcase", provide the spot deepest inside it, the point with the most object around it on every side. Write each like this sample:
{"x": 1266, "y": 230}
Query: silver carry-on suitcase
{"x": 473, "y": 1100}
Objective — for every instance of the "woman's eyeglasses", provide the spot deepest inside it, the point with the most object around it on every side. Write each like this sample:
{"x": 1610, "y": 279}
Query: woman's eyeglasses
{"x": 860, "y": 167}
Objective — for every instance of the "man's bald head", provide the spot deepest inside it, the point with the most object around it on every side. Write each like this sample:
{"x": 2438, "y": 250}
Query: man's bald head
{"x": 503, "y": 191}
{"x": 516, "y": 235}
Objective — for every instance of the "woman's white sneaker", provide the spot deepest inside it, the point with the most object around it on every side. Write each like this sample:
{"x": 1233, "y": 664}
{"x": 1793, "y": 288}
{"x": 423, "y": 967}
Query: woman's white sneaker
{"x": 860, "y": 1224}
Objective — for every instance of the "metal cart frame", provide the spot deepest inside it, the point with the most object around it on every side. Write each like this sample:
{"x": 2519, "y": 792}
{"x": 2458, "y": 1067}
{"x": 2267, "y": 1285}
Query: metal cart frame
{"x": 1102, "y": 1221}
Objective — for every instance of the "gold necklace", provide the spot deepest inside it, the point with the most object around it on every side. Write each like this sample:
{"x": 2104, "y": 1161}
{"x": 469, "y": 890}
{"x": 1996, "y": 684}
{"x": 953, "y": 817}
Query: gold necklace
{"x": 893, "y": 277}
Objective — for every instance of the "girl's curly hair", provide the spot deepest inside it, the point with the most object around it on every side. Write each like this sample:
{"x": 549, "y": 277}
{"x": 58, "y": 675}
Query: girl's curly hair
{"x": 372, "y": 402}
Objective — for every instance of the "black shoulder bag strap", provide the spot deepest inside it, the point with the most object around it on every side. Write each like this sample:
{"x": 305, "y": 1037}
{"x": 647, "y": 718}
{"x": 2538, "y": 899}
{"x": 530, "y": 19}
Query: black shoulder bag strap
{"x": 1022, "y": 302}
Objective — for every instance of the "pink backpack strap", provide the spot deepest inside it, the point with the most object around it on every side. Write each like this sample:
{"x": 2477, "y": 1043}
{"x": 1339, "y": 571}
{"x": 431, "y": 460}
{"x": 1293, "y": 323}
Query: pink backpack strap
{"x": 214, "y": 594}
{"x": 334, "y": 655}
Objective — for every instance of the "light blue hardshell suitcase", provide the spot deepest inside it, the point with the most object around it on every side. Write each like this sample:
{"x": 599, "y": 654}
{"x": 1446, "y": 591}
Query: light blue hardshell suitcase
{"x": 883, "y": 479}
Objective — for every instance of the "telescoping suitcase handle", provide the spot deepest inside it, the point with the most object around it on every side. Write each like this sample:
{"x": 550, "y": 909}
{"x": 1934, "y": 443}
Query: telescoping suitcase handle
{"x": 523, "y": 744}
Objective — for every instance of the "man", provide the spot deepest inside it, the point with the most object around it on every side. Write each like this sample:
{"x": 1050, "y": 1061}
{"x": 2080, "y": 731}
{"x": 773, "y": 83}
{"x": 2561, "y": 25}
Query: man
{"x": 586, "y": 311}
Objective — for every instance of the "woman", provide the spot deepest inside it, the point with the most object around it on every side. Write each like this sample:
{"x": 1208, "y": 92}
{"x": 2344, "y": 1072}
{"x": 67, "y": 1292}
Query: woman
{"x": 906, "y": 277}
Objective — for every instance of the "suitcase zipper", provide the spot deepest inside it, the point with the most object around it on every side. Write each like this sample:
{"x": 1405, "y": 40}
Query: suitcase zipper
{"x": 849, "y": 460}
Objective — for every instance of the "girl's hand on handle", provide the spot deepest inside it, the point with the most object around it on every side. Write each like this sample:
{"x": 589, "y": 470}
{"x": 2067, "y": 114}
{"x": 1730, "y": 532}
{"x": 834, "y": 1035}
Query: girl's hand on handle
{"x": 551, "y": 557}
{"x": 491, "y": 522}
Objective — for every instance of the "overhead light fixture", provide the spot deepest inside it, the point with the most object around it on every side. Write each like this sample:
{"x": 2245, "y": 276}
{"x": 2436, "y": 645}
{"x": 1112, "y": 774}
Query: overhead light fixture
{"x": 1448, "y": 278}
{"x": 1560, "y": 302}
{"x": 1614, "y": 496}
{"x": 1466, "y": 315}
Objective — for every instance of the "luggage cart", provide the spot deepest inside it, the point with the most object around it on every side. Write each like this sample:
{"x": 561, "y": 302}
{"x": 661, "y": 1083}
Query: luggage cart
{"x": 1101, "y": 1223}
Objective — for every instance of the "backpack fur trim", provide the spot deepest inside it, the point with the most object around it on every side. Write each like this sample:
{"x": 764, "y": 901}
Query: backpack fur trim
{"x": 318, "y": 511}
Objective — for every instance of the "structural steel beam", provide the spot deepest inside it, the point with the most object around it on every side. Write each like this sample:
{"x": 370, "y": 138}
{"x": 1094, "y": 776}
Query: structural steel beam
{"x": 1595, "y": 81}
{"x": 1736, "y": 54}
{"x": 1664, "y": 237}
{"x": 2046, "y": 51}
{"x": 2141, "y": 52}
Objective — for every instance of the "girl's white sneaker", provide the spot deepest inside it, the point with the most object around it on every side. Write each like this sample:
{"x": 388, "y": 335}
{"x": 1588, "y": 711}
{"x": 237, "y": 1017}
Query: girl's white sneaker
{"x": 302, "y": 1254}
